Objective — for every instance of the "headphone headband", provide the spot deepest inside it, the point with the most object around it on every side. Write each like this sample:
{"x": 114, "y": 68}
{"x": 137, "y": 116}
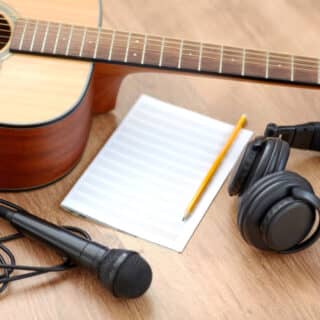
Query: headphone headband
{"x": 302, "y": 136}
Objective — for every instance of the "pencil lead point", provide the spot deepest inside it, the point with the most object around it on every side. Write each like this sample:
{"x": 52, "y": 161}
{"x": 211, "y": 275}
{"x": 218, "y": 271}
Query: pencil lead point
{"x": 186, "y": 216}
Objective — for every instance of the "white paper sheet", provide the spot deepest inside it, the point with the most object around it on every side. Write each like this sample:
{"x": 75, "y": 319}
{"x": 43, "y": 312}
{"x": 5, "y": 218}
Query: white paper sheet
{"x": 144, "y": 177}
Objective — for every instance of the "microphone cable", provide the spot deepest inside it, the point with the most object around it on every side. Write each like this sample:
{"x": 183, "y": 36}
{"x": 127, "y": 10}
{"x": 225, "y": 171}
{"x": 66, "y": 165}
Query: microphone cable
{"x": 8, "y": 260}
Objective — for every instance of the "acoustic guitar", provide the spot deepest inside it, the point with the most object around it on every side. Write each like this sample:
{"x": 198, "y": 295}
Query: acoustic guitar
{"x": 44, "y": 127}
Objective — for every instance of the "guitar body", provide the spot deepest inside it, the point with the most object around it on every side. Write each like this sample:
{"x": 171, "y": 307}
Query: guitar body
{"x": 46, "y": 103}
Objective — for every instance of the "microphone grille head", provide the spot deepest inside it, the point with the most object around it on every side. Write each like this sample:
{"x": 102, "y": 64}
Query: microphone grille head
{"x": 130, "y": 275}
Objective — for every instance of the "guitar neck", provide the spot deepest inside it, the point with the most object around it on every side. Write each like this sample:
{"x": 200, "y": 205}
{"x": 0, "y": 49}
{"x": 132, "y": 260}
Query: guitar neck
{"x": 47, "y": 38}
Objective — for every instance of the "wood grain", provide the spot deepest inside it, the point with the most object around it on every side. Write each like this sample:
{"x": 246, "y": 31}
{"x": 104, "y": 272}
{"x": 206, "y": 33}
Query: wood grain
{"x": 218, "y": 276}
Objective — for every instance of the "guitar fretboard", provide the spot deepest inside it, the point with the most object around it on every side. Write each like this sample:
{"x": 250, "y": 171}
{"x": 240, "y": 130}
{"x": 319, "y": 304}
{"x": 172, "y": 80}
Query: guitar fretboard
{"x": 41, "y": 37}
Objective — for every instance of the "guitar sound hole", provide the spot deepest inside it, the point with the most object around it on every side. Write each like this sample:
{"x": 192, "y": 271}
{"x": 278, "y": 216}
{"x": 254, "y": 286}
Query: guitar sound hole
{"x": 5, "y": 32}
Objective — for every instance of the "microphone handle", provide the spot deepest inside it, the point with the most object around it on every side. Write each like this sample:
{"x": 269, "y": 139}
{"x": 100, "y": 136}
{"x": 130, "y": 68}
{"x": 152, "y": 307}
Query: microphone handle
{"x": 79, "y": 250}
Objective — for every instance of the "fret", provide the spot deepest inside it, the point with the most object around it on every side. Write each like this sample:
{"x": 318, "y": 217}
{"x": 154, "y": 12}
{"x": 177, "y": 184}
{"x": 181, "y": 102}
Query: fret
{"x": 34, "y": 35}
{"x": 171, "y": 53}
{"x": 180, "y": 54}
{"x": 221, "y": 59}
{"x": 69, "y": 41}
{"x": 39, "y": 38}
{"x": 152, "y": 55}
{"x": 280, "y": 67}
{"x": 57, "y": 39}
{"x": 23, "y": 35}
{"x": 255, "y": 64}
{"x": 97, "y": 44}
{"x": 128, "y": 46}
{"x": 210, "y": 61}
{"x": 16, "y": 37}
{"x": 144, "y": 48}
{"x": 28, "y": 35}
{"x": 190, "y": 55}
{"x": 90, "y": 43}
{"x": 243, "y": 68}
{"x": 63, "y": 40}
{"x": 200, "y": 56}
{"x": 45, "y": 37}
{"x": 161, "y": 52}
{"x": 135, "y": 51}
{"x": 103, "y": 48}
{"x": 306, "y": 70}
{"x": 83, "y": 41}
{"x": 292, "y": 68}
{"x": 267, "y": 64}
{"x": 111, "y": 44}
{"x": 75, "y": 41}
{"x": 120, "y": 46}
{"x": 51, "y": 38}
{"x": 232, "y": 61}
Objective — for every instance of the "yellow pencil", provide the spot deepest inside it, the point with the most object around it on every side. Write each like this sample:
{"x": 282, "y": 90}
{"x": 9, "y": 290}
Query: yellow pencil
{"x": 215, "y": 166}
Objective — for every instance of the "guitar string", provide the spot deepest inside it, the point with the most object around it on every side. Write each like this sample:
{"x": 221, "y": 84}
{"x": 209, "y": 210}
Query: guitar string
{"x": 257, "y": 62}
{"x": 274, "y": 62}
{"x": 203, "y": 69}
{"x": 227, "y": 53}
{"x": 248, "y": 61}
{"x": 231, "y": 53}
{"x": 159, "y": 38}
{"x": 32, "y": 21}
{"x": 235, "y": 51}
{"x": 306, "y": 61}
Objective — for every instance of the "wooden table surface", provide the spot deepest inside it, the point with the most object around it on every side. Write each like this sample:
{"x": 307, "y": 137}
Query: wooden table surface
{"x": 218, "y": 276}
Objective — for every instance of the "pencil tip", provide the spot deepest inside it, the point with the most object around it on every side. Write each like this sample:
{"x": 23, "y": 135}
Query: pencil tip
{"x": 186, "y": 216}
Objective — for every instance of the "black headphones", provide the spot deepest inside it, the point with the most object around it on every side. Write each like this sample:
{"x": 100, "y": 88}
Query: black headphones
{"x": 278, "y": 209}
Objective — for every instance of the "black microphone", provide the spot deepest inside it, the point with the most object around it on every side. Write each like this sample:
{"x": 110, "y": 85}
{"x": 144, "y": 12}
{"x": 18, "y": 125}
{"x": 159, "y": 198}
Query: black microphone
{"x": 123, "y": 272}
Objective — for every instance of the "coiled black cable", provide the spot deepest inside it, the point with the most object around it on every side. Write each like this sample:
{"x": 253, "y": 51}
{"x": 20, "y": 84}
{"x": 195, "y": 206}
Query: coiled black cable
{"x": 8, "y": 261}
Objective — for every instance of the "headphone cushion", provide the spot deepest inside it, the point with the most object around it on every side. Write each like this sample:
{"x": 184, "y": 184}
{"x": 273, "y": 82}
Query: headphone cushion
{"x": 249, "y": 195}
{"x": 277, "y": 163}
{"x": 260, "y": 197}
{"x": 283, "y": 156}
{"x": 261, "y": 157}
{"x": 261, "y": 163}
{"x": 279, "y": 157}
{"x": 273, "y": 158}
{"x": 244, "y": 166}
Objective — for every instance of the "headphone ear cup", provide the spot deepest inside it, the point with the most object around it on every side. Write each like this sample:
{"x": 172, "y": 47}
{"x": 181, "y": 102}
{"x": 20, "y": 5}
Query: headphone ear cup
{"x": 260, "y": 197}
{"x": 287, "y": 223}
